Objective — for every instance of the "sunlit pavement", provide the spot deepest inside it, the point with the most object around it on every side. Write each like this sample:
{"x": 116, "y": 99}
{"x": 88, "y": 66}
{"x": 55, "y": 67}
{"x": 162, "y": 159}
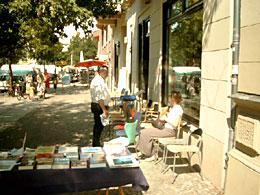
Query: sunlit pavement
{"x": 74, "y": 101}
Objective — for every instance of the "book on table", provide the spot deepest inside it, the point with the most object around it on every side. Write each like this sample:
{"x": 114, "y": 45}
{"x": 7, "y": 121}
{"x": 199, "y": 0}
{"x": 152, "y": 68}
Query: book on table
{"x": 61, "y": 163}
{"x": 79, "y": 164}
{"x": 27, "y": 163}
{"x": 122, "y": 162}
{"x": 58, "y": 155}
{"x": 44, "y": 163}
{"x": 45, "y": 150}
{"x": 29, "y": 151}
{"x": 90, "y": 149}
{"x": 97, "y": 162}
{"x": 85, "y": 156}
{"x": 6, "y": 167}
{"x": 120, "y": 158}
{"x": 67, "y": 149}
{"x": 11, "y": 159}
{"x": 72, "y": 155}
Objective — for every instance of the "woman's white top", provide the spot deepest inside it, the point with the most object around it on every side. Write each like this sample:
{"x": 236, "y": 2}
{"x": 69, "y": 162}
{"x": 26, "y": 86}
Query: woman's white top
{"x": 174, "y": 113}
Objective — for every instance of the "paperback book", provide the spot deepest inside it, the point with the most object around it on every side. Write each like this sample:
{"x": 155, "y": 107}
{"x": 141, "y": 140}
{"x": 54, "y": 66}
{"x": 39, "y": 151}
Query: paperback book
{"x": 97, "y": 162}
{"x": 4, "y": 167}
{"x": 72, "y": 155}
{"x": 67, "y": 149}
{"x": 27, "y": 163}
{"x": 90, "y": 149}
{"x": 44, "y": 163}
{"x": 45, "y": 150}
{"x": 79, "y": 164}
{"x": 85, "y": 156}
{"x": 61, "y": 163}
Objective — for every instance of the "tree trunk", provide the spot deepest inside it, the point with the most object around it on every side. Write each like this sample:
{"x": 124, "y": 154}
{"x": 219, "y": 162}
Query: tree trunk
{"x": 11, "y": 88}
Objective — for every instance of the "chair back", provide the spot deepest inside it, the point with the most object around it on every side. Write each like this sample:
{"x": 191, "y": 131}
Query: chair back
{"x": 138, "y": 116}
{"x": 198, "y": 135}
{"x": 179, "y": 128}
{"x": 130, "y": 129}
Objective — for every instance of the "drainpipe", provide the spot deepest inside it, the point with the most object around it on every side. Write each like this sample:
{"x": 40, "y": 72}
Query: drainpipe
{"x": 234, "y": 79}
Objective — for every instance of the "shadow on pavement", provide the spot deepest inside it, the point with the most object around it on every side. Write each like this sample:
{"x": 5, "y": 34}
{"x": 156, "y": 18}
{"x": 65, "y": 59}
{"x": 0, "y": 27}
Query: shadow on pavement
{"x": 59, "y": 123}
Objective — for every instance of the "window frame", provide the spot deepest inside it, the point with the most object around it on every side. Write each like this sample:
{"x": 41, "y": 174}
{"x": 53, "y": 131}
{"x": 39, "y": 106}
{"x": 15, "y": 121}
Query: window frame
{"x": 168, "y": 20}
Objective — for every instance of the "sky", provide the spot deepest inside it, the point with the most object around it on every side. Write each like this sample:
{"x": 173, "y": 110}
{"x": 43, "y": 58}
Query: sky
{"x": 71, "y": 31}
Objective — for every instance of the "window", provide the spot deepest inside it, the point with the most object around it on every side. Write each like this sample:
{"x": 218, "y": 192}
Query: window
{"x": 183, "y": 51}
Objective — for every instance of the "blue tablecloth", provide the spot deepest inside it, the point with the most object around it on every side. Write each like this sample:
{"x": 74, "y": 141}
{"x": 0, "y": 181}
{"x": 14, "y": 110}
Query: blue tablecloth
{"x": 69, "y": 180}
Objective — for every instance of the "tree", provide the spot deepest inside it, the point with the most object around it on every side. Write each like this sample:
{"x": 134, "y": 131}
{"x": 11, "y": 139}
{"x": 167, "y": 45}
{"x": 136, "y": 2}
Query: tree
{"x": 86, "y": 44}
{"x": 35, "y": 24}
{"x": 11, "y": 41}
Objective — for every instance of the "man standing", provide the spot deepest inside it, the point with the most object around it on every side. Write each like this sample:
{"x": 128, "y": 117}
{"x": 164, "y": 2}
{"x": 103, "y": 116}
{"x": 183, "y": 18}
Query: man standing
{"x": 100, "y": 98}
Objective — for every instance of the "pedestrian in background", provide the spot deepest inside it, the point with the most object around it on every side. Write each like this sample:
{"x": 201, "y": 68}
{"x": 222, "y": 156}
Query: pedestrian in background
{"x": 47, "y": 81}
{"x": 100, "y": 98}
{"x": 32, "y": 91}
{"x": 28, "y": 81}
{"x": 55, "y": 81}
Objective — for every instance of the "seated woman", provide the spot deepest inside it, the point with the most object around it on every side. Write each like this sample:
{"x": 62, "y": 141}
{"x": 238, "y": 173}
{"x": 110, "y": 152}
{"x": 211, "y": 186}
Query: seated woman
{"x": 171, "y": 118}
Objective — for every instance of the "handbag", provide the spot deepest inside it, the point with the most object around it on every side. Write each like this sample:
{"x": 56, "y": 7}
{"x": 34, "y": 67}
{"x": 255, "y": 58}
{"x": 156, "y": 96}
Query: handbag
{"x": 159, "y": 124}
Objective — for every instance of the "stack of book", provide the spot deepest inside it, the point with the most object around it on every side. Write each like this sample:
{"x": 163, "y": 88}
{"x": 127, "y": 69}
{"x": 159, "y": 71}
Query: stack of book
{"x": 96, "y": 156}
{"x": 8, "y": 160}
{"x": 61, "y": 163}
{"x": 69, "y": 152}
{"x": 118, "y": 156}
{"x": 44, "y": 157}
{"x": 27, "y": 163}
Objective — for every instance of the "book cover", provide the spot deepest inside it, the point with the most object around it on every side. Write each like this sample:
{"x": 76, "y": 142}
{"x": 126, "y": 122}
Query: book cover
{"x": 45, "y": 149}
{"x": 90, "y": 149}
{"x": 85, "y": 156}
{"x": 67, "y": 149}
{"x": 61, "y": 163}
{"x": 72, "y": 155}
{"x": 98, "y": 155}
{"x": 11, "y": 158}
{"x": 79, "y": 164}
{"x": 6, "y": 167}
{"x": 122, "y": 161}
{"x": 44, "y": 163}
{"x": 97, "y": 162}
{"x": 47, "y": 155}
{"x": 27, "y": 163}
{"x": 58, "y": 155}
{"x": 29, "y": 151}
{"x": 44, "y": 160}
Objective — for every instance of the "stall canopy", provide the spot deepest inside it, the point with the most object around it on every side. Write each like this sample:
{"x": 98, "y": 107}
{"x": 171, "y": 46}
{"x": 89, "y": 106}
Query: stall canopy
{"x": 89, "y": 63}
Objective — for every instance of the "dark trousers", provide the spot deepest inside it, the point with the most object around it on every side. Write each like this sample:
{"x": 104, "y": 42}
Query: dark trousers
{"x": 98, "y": 127}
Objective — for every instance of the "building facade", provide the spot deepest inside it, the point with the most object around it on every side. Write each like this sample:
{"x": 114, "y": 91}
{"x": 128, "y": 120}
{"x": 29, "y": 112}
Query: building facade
{"x": 188, "y": 46}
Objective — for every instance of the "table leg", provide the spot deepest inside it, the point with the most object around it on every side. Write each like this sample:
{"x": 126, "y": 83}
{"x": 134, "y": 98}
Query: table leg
{"x": 121, "y": 190}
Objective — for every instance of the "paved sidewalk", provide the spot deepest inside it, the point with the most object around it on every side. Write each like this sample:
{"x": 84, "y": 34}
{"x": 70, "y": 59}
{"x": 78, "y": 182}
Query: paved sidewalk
{"x": 67, "y": 113}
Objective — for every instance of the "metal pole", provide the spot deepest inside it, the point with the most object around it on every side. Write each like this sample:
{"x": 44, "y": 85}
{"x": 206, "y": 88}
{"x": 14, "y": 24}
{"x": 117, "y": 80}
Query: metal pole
{"x": 234, "y": 81}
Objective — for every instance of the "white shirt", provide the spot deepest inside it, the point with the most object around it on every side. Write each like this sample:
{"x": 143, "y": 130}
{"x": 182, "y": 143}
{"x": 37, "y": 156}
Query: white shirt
{"x": 99, "y": 90}
{"x": 174, "y": 113}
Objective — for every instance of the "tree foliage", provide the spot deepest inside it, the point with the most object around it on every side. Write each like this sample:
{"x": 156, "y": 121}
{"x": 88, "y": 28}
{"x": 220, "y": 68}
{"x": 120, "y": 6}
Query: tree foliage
{"x": 86, "y": 44}
{"x": 185, "y": 41}
{"x": 37, "y": 25}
